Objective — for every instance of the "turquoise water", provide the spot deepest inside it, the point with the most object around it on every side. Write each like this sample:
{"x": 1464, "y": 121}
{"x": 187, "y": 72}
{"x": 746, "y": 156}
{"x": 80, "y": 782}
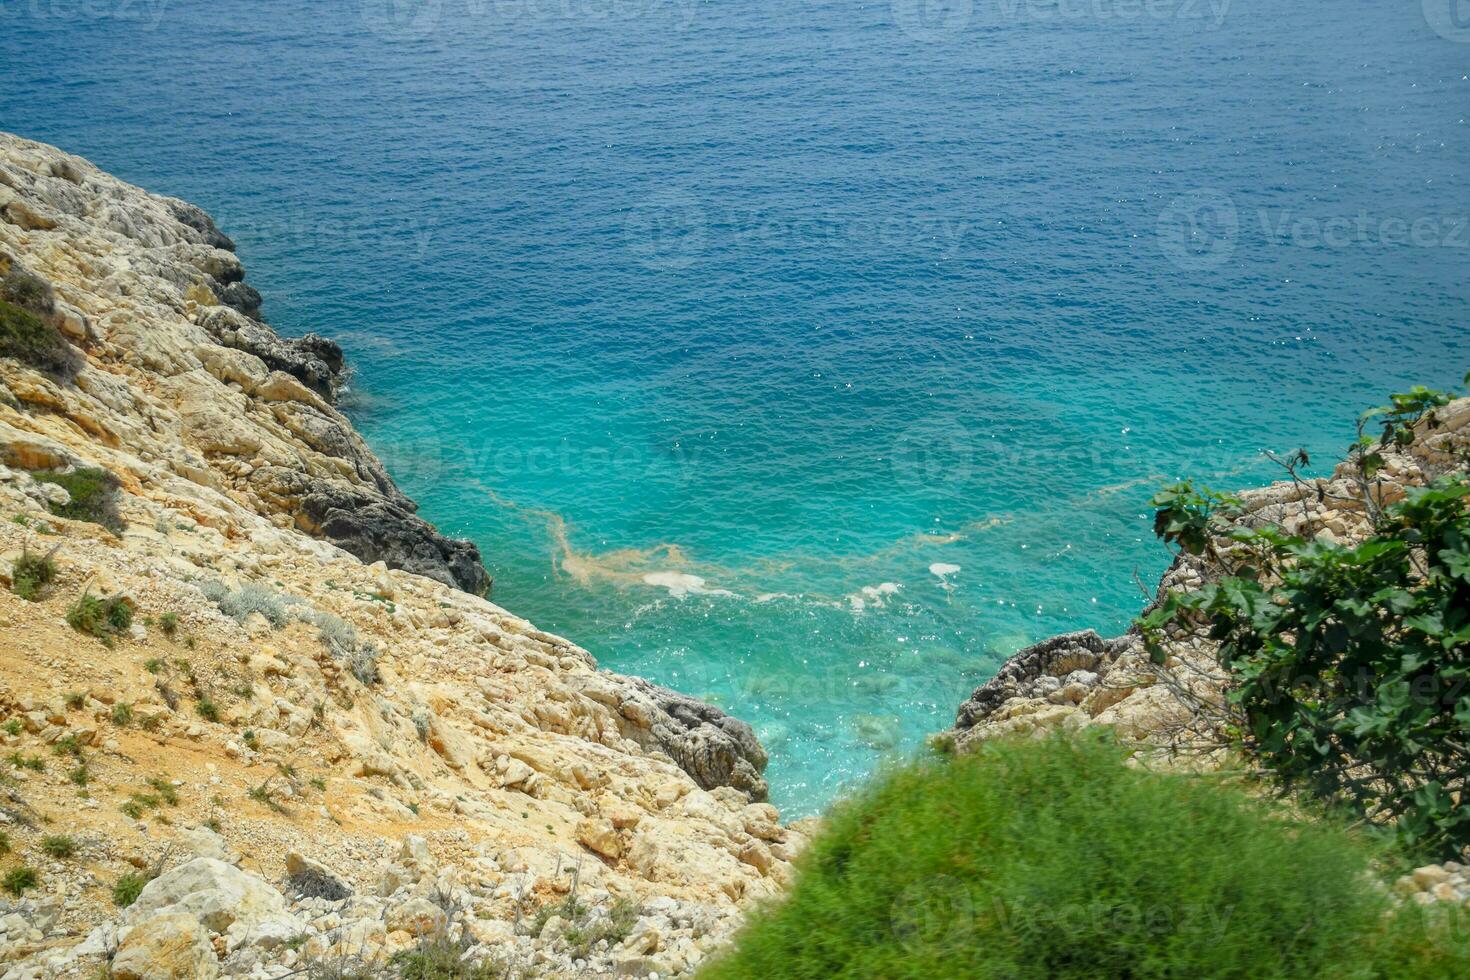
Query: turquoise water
{"x": 810, "y": 357}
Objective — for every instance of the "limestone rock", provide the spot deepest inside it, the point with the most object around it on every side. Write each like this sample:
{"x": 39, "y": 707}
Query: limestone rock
{"x": 417, "y": 917}
{"x": 219, "y": 895}
{"x": 166, "y": 946}
{"x": 601, "y": 837}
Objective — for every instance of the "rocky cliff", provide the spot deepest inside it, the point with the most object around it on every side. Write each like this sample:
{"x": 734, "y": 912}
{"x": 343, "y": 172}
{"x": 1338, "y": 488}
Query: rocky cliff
{"x": 239, "y": 674}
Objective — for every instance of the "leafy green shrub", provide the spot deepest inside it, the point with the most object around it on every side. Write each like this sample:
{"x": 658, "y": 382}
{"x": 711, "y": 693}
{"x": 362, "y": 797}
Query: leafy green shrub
{"x": 127, "y": 888}
{"x": 59, "y": 845}
{"x": 207, "y": 709}
{"x": 1350, "y": 665}
{"x": 102, "y": 618}
{"x": 31, "y": 340}
{"x": 1052, "y": 859}
{"x": 18, "y": 879}
{"x": 94, "y": 495}
{"x": 32, "y": 573}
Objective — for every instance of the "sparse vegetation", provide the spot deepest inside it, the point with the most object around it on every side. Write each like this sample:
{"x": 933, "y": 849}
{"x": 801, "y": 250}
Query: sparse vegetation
{"x": 439, "y": 957}
{"x": 249, "y": 598}
{"x": 30, "y": 339}
{"x": 122, "y": 714}
{"x": 12, "y": 726}
{"x": 94, "y": 496}
{"x": 32, "y": 573}
{"x": 80, "y": 775}
{"x": 611, "y": 927}
{"x": 75, "y": 700}
{"x": 19, "y": 879}
{"x": 103, "y": 618}
{"x": 165, "y": 789}
{"x": 59, "y": 845}
{"x": 207, "y": 709}
{"x": 263, "y": 793}
{"x": 31, "y": 762}
{"x": 127, "y": 888}
{"x": 169, "y": 623}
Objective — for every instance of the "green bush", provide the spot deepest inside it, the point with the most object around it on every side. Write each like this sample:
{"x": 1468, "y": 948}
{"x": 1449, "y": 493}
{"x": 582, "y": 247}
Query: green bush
{"x": 1053, "y": 859}
{"x": 18, "y": 879}
{"x": 31, "y": 340}
{"x": 32, "y": 573}
{"x": 59, "y": 845}
{"x": 127, "y": 888}
{"x": 1350, "y": 665}
{"x": 102, "y": 618}
{"x": 93, "y": 493}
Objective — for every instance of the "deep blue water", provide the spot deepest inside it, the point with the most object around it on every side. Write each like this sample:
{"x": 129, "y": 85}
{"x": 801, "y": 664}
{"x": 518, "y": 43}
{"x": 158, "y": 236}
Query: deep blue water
{"x": 882, "y": 320}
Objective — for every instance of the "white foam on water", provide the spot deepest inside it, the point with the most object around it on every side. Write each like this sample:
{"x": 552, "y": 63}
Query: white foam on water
{"x": 943, "y": 570}
{"x": 872, "y": 596}
{"x": 681, "y": 584}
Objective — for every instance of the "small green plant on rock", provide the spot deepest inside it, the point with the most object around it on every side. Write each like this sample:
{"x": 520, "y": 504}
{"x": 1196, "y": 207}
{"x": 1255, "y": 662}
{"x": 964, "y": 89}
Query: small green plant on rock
{"x": 165, "y": 789}
{"x": 127, "y": 888}
{"x": 30, "y": 339}
{"x": 32, "y": 573}
{"x": 19, "y": 879}
{"x": 439, "y": 957}
{"x": 103, "y": 618}
{"x": 94, "y": 496}
{"x": 122, "y": 714}
{"x": 59, "y": 845}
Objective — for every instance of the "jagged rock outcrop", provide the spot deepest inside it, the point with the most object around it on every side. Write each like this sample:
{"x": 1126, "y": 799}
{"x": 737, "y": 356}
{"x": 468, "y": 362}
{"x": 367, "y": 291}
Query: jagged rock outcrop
{"x": 714, "y": 748}
{"x": 170, "y": 299}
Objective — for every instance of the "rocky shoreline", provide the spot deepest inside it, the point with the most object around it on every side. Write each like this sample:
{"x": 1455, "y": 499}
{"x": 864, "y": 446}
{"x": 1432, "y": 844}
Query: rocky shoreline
{"x": 365, "y": 514}
{"x": 257, "y": 717}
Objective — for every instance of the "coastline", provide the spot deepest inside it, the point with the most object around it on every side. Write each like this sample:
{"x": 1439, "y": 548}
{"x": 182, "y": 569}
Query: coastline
{"x": 289, "y": 614}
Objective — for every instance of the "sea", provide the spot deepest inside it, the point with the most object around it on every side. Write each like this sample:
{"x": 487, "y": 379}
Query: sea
{"x": 811, "y": 356}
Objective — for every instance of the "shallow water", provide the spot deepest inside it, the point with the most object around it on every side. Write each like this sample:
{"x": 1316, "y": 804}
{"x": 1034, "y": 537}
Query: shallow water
{"x": 810, "y": 357}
